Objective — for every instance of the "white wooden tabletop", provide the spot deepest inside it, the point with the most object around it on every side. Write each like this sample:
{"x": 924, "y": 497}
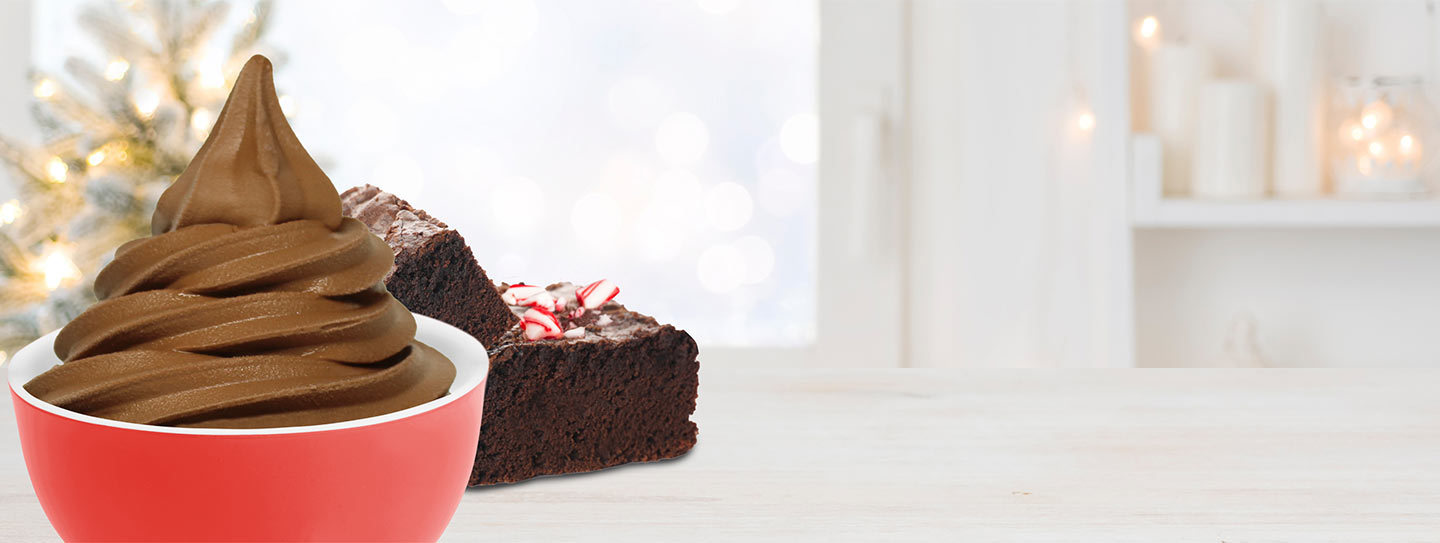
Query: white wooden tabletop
{"x": 1021, "y": 455}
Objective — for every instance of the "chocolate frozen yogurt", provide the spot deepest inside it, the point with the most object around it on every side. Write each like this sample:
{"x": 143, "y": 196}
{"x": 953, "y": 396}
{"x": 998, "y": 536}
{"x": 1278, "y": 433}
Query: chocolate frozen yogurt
{"x": 253, "y": 304}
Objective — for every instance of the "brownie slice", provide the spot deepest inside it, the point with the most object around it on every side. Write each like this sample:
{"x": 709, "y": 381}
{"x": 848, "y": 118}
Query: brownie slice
{"x": 435, "y": 272}
{"x": 619, "y": 388}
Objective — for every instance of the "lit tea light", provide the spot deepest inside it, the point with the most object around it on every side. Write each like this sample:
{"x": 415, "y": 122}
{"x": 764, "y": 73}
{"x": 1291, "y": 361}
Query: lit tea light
{"x": 1375, "y": 115}
{"x": 1149, "y": 27}
{"x": 1355, "y": 133}
{"x": 1376, "y": 149}
{"x": 1381, "y": 134}
{"x": 1085, "y": 121}
{"x": 1147, "y": 32}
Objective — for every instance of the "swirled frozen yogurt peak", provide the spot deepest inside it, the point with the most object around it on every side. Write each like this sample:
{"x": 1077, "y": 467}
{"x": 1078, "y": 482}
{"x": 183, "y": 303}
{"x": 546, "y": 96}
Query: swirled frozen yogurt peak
{"x": 253, "y": 304}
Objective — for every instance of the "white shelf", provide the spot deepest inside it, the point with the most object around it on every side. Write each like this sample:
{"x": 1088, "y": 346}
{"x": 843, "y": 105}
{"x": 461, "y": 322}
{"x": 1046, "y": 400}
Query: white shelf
{"x": 1149, "y": 209}
{"x": 1182, "y": 213}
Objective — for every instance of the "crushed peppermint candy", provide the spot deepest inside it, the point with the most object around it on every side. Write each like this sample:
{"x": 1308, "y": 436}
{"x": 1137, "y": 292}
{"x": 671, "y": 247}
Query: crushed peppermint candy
{"x": 596, "y": 294}
{"x": 516, "y": 292}
{"x": 531, "y": 296}
{"x": 547, "y": 316}
{"x": 541, "y": 324}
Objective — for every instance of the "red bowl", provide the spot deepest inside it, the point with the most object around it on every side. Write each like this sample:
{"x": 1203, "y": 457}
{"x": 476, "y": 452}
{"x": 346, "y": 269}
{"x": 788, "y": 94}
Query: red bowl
{"x": 395, "y": 477}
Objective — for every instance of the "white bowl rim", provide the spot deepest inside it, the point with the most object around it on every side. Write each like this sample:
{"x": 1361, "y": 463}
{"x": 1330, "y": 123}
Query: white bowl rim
{"x": 471, "y": 370}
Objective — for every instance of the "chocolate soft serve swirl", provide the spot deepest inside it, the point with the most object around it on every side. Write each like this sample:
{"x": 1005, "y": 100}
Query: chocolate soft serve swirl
{"x": 253, "y": 304}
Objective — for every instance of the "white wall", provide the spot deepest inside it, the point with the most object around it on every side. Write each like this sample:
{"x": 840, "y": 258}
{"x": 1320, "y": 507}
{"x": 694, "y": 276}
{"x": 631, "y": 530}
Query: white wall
{"x": 1017, "y": 226}
{"x": 1318, "y": 298}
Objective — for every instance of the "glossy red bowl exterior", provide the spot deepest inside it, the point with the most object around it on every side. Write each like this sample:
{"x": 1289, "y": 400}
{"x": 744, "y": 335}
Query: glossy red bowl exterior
{"x": 395, "y": 477}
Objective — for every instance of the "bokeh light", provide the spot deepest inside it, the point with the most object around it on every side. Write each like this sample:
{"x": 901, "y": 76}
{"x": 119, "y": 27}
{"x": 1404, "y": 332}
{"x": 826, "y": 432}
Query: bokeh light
{"x": 510, "y": 22}
{"x": 510, "y": 267}
{"x": 10, "y": 211}
{"x": 516, "y": 206}
{"x": 759, "y": 258}
{"x": 476, "y": 61}
{"x": 210, "y": 75}
{"x": 596, "y": 219}
{"x": 800, "y": 138}
{"x": 728, "y": 206}
{"x": 638, "y": 103}
{"x": 46, "y": 89}
{"x": 56, "y": 266}
{"x": 676, "y": 193}
{"x": 782, "y": 192}
{"x": 116, "y": 69}
{"x": 659, "y": 236}
{"x": 682, "y": 139}
{"x": 200, "y": 121}
{"x": 721, "y": 269}
{"x": 371, "y": 125}
{"x": 400, "y": 174}
{"x": 374, "y": 51}
{"x": 57, "y": 170}
{"x": 464, "y": 7}
{"x": 717, "y": 7}
{"x": 146, "y": 102}
{"x": 520, "y": 122}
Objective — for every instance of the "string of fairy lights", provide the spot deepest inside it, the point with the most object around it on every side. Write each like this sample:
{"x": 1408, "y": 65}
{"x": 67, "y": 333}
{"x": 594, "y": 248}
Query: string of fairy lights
{"x": 115, "y": 134}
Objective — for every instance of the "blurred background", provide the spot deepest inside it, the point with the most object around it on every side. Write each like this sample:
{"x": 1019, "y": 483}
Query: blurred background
{"x": 856, "y": 183}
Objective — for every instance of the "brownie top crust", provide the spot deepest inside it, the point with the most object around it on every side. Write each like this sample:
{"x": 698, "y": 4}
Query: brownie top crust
{"x": 610, "y": 322}
{"x": 393, "y": 219}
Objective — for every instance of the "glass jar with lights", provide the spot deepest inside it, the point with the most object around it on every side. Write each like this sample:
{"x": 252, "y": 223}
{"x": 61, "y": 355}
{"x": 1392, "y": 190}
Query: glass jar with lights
{"x": 1384, "y": 138}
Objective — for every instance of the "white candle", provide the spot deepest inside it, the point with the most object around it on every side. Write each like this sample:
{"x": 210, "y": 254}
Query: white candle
{"x": 1231, "y": 141}
{"x": 1176, "y": 72}
{"x": 1289, "y": 61}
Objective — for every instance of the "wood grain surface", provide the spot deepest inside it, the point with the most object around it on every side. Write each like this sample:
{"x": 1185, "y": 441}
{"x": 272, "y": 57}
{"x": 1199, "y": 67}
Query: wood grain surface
{"x": 1017, "y": 455}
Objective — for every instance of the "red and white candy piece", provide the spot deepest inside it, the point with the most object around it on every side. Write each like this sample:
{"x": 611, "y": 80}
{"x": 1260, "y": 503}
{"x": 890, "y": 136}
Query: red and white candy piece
{"x": 512, "y": 295}
{"x": 541, "y": 324}
{"x": 529, "y": 296}
{"x": 596, "y": 294}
